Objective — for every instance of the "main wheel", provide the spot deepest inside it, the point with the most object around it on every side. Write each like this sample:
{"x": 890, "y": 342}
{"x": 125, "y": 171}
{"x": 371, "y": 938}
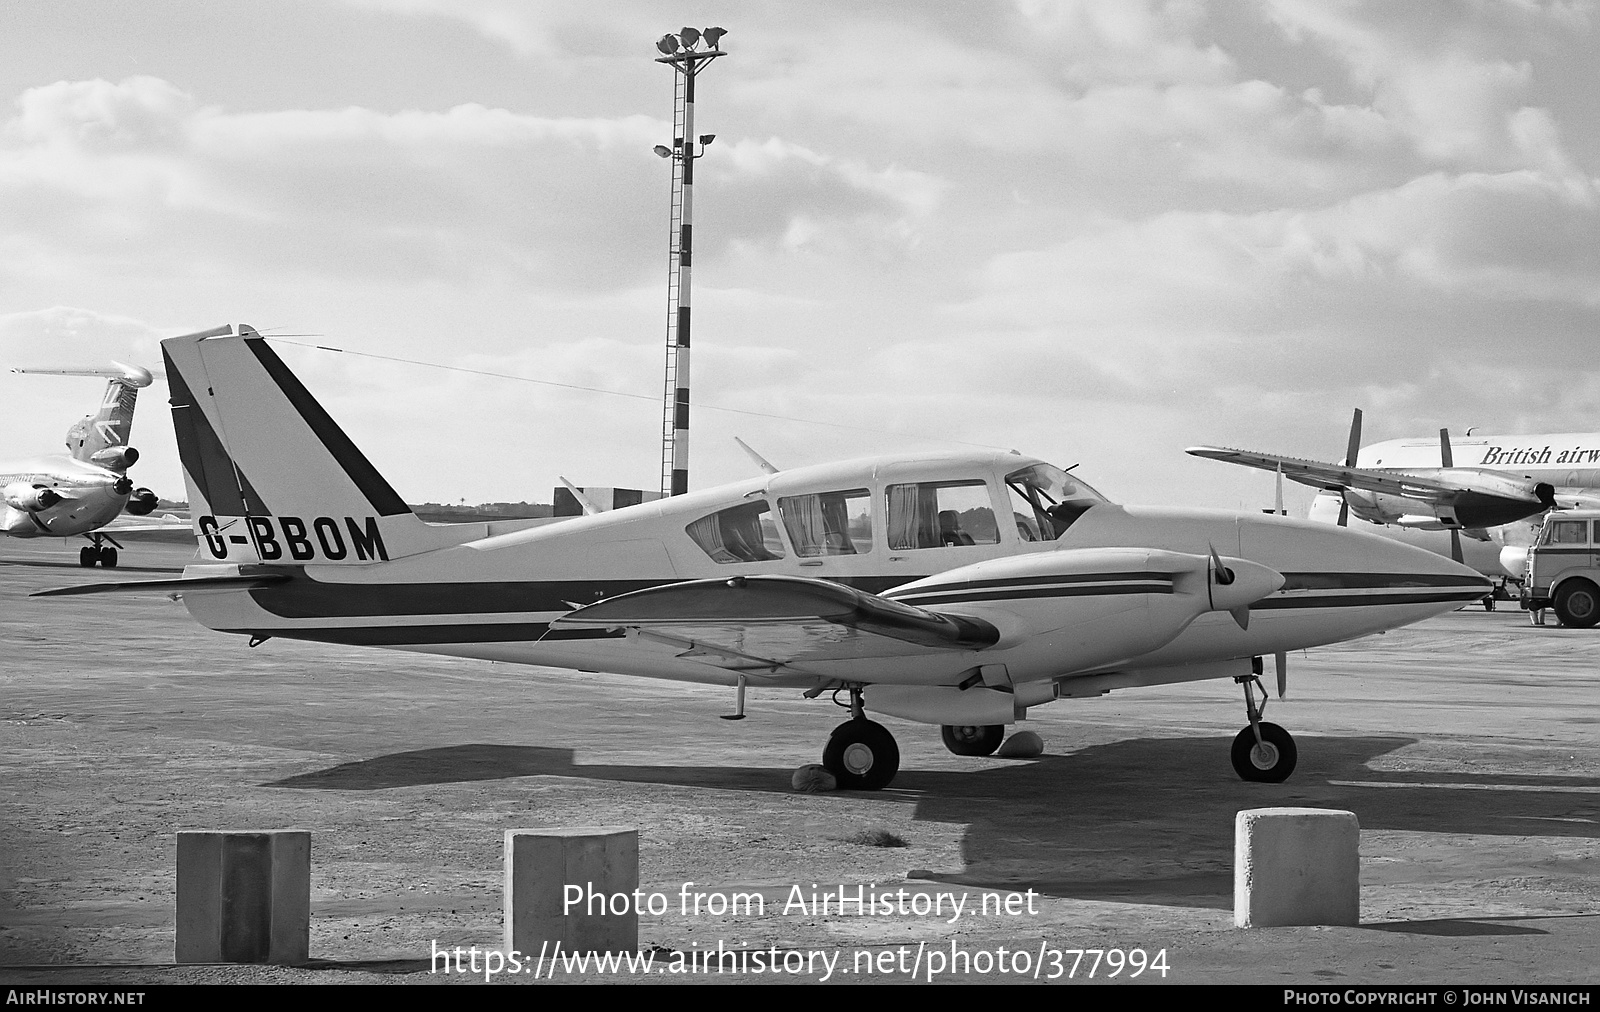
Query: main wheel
{"x": 972, "y": 739}
{"x": 1577, "y": 604}
{"x": 862, "y": 755}
{"x": 87, "y": 557}
{"x": 1269, "y": 761}
{"x": 108, "y": 558}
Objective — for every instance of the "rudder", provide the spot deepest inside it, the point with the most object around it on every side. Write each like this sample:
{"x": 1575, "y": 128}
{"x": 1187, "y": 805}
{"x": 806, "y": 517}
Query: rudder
{"x": 272, "y": 477}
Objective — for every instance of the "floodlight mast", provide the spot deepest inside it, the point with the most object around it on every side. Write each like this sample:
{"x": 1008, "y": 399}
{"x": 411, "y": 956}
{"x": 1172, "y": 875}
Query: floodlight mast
{"x": 688, "y": 52}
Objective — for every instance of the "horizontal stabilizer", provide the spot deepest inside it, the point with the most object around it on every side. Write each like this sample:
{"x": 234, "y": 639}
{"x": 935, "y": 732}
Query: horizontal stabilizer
{"x": 169, "y": 586}
{"x": 127, "y": 375}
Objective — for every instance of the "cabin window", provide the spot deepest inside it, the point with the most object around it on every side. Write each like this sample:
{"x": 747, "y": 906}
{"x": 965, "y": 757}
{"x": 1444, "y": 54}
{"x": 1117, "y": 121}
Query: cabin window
{"x": 1045, "y": 500}
{"x": 829, "y": 523}
{"x": 743, "y": 533}
{"x": 940, "y": 514}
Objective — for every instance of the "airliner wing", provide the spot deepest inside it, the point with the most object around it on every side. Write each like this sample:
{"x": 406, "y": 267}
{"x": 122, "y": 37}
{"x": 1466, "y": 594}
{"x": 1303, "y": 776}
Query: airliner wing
{"x": 1334, "y": 477}
{"x": 772, "y": 622}
{"x": 132, "y": 525}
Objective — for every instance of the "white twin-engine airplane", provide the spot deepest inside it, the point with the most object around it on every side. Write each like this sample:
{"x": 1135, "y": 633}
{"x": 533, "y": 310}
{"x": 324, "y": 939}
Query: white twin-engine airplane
{"x": 63, "y": 496}
{"x": 957, "y": 589}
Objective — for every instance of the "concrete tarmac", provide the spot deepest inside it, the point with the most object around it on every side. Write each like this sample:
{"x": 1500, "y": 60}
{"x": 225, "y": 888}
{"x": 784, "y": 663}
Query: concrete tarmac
{"x": 1465, "y": 745}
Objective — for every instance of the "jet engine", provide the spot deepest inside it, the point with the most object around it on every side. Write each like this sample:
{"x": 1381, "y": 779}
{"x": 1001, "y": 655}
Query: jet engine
{"x": 142, "y": 502}
{"x": 115, "y": 458}
{"x": 30, "y": 498}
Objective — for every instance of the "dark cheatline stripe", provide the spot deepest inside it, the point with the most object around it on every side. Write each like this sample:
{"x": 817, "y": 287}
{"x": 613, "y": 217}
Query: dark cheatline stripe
{"x": 1037, "y": 581}
{"x": 306, "y": 598}
{"x": 962, "y": 597}
{"x": 204, "y": 457}
{"x": 1365, "y": 600}
{"x": 423, "y": 635}
{"x": 383, "y": 497}
{"x": 1365, "y": 581}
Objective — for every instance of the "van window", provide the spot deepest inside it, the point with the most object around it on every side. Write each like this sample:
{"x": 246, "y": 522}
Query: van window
{"x": 742, "y": 533}
{"x": 1569, "y": 532}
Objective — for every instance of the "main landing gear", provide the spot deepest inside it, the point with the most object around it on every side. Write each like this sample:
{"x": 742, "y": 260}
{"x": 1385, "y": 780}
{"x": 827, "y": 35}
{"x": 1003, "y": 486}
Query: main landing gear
{"x": 1263, "y": 752}
{"x": 861, "y": 754}
{"x": 972, "y": 739}
{"x": 99, "y": 553}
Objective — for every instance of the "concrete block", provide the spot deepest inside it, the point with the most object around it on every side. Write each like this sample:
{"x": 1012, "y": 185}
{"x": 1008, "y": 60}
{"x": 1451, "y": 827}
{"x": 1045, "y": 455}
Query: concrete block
{"x": 244, "y": 897}
{"x": 540, "y": 864}
{"x": 1296, "y": 866}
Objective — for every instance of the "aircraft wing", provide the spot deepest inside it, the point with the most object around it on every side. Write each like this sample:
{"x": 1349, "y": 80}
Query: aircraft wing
{"x": 772, "y": 622}
{"x": 1335, "y": 477}
{"x": 131, "y": 525}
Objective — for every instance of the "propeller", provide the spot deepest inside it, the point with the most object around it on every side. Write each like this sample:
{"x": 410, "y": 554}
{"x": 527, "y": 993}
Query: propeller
{"x": 1447, "y": 459}
{"x": 1222, "y": 576}
{"x": 1280, "y": 660}
{"x": 1352, "y": 449}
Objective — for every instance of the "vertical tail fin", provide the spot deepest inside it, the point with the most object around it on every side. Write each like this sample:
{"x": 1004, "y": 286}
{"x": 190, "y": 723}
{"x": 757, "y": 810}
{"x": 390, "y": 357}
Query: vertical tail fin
{"x": 111, "y": 426}
{"x": 272, "y": 478}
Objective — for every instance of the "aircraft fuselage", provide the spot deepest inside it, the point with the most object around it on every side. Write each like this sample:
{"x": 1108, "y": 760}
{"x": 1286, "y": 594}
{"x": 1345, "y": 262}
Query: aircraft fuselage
{"x": 88, "y": 497}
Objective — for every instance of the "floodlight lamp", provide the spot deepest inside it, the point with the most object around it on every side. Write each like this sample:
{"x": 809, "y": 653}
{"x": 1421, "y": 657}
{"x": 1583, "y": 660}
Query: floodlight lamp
{"x": 689, "y": 36}
{"x": 713, "y": 37}
{"x": 662, "y": 150}
{"x": 707, "y": 139}
{"x": 667, "y": 44}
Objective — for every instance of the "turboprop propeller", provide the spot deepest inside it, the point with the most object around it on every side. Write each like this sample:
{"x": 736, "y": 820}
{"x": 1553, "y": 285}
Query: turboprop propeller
{"x": 1352, "y": 449}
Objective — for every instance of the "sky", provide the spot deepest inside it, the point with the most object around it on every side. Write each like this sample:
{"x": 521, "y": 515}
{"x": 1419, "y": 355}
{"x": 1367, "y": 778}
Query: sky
{"x": 1095, "y": 231}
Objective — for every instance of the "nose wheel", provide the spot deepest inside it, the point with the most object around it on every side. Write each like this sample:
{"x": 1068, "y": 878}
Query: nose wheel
{"x": 1262, "y": 753}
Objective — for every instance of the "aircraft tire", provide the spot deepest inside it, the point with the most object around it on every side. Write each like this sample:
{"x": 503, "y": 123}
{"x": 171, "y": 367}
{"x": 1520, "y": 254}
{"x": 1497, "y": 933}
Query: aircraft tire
{"x": 87, "y": 557}
{"x": 108, "y": 558}
{"x": 1271, "y": 761}
{"x": 862, "y": 755}
{"x": 1577, "y": 604}
{"x": 972, "y": 739}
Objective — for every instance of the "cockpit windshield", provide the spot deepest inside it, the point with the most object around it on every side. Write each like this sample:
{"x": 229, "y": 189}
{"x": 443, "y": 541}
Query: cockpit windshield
{"x": 1045, "y": 500}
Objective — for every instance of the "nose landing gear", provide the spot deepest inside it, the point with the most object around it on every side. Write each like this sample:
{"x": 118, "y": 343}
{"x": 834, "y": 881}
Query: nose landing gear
{"x": 1262, "y": 753}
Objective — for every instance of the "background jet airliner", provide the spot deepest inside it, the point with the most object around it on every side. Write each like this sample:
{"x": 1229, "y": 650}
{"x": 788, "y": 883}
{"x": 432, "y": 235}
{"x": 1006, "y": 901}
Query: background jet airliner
{"x": 1479, "y": 485}
{"x": 957, "y": 589}
{"x": 61, "y": 496}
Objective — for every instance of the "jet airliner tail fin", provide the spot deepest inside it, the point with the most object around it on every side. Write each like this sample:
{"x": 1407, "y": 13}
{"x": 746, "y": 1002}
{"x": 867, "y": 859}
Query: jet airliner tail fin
{"x": 109, "y": 427}
{"x": 272, "y": 477}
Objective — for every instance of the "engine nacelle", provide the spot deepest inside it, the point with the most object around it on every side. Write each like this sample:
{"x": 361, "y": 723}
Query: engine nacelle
{"x": 31, "y": 498}
{"x": 143, "y": 502}
{"x": 115, "y": 458}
